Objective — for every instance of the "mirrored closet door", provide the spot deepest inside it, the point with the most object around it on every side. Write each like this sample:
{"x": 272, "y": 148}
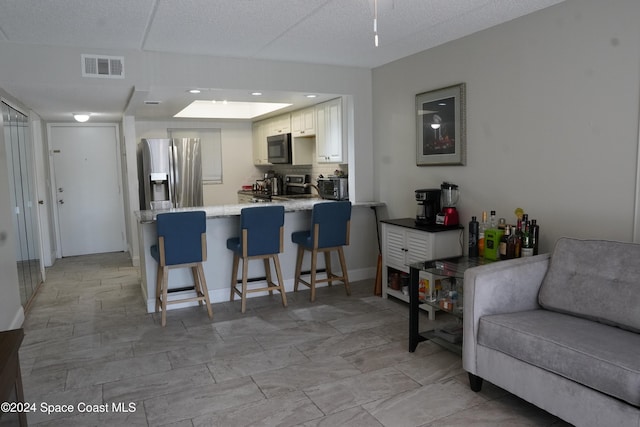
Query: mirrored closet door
{"x": 23, "y": 198}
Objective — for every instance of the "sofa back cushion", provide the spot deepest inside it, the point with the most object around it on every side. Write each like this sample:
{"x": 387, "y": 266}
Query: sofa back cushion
{"x": 594, "y": 279}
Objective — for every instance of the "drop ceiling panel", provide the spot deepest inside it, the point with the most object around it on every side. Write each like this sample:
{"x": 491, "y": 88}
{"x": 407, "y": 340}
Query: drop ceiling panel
{"x": 237, "y": 28}
{"x": 117, "y": 24}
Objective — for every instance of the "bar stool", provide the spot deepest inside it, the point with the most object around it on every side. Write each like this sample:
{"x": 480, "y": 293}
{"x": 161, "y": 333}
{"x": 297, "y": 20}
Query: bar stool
{"x": 182, "y": 243}
{"x": 330, "y": 224}
{"x": 261, "y": 237}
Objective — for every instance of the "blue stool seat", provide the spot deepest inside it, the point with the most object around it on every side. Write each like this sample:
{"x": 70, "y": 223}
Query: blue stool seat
{"x": 330, "y": 222}
{"x": 261, "y": 237}
{"x": 182, "y": 243}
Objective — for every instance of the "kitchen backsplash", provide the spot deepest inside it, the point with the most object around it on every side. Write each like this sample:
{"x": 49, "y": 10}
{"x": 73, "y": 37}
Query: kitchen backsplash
{"x": 314, "y": 170}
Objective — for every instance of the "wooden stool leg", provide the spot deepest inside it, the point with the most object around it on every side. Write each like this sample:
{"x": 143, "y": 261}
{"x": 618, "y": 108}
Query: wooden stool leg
{"x": 267, "y": 272}
{"x": 327, "y": 263}
{"x": 343, "y": 266}
{"x": 234, "y": 277}
{"x": 298, "y": 267}
{"x": 165, "y": 290}
{"x": 245, "y": 273}
{"x": 158, "y": 287}
{"x": 196, "y": 283}
{"x": 276, "y": 262}
{"x": 314, "y": 264}
{"x": 205, "y": 290}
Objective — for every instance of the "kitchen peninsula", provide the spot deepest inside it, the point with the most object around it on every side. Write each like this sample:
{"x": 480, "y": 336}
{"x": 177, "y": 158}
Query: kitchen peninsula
{"x": 223, "y": 222}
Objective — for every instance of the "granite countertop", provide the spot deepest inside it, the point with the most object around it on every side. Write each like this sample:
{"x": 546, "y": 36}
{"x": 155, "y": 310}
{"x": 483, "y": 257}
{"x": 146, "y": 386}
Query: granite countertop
{"x": 220, "y": 211}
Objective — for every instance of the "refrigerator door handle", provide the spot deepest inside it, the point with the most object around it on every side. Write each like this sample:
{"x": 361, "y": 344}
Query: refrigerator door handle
{"x": 172, "y": 172}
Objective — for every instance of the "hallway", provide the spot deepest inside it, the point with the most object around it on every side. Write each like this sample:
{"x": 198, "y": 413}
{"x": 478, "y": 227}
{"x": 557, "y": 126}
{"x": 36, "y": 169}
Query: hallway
{"x": 339, "y": 361}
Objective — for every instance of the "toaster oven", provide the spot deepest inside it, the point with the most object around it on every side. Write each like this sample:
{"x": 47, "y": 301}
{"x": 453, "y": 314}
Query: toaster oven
{"x": 334, "y": 188}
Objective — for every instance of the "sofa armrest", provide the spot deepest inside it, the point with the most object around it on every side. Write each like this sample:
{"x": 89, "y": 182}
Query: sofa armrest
{"x": 500, "y": 287}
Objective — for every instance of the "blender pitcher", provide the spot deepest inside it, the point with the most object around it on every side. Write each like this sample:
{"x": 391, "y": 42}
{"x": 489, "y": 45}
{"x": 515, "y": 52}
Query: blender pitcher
{"x": 450, "y": 195}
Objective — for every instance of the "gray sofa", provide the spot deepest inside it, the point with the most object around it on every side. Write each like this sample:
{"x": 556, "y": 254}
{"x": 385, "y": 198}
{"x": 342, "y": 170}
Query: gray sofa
{"x": 561, "y": 331}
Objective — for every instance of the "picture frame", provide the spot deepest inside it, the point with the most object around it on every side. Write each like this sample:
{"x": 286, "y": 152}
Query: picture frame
{"x": 441, "y": 126}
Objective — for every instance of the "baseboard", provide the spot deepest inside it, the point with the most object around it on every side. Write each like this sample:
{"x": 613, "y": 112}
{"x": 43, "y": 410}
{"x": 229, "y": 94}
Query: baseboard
{"x": 18, "y": 319}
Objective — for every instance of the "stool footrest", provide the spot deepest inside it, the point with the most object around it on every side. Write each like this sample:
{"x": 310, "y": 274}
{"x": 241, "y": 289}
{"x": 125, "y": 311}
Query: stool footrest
{"x": 200, "y": 297}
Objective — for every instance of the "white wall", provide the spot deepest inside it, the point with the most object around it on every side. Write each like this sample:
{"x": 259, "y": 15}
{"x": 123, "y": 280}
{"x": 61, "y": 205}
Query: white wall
{"x": 552, "y": 120}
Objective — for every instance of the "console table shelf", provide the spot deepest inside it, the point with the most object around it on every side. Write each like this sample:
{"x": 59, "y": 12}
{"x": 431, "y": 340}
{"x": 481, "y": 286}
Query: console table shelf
{"x": 451, "y": 269}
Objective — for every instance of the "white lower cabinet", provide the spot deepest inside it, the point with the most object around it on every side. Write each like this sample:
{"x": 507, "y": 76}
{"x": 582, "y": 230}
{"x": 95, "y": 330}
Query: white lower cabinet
{"x": 404, "y": 243}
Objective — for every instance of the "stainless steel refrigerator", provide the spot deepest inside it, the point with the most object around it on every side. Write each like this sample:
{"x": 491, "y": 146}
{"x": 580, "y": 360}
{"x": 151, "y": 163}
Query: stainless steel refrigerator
{"x": 169, "y": 173}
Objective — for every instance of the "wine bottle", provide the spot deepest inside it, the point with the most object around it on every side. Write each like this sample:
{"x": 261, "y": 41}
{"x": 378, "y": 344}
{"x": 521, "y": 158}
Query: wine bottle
{"x": 535, "y": 236}
{"x": 474, "y": 230}
{"x": 482, "y": 227}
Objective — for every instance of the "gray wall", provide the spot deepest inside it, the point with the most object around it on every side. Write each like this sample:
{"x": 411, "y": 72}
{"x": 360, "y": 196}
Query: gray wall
{"x": 552, "y": 120}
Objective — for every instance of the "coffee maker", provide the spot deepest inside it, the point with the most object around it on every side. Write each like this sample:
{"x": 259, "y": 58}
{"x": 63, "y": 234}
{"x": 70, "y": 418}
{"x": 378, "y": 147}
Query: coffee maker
{"x": 428, "y": 205}
{"x": 449, "y": 215}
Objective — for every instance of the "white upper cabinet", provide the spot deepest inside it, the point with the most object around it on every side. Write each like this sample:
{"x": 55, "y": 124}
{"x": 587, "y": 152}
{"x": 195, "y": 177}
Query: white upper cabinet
{"x": 260, "y": 155}
{"x": 279, "y": 125}
{"x": 330, "y": 133}
{"x": 303, "y": 122}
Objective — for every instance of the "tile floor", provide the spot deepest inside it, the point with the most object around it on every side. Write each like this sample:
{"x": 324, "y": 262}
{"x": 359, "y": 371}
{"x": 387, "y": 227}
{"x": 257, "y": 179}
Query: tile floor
{"x": 341, "y": 361}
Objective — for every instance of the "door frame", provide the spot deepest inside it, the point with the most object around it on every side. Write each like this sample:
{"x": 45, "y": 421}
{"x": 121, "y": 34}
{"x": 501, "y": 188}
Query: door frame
{"x": 52, "y": 177}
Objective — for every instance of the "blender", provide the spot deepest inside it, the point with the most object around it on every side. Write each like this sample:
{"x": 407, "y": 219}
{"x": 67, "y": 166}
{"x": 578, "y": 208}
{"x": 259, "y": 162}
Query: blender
{"x": 449, "y": 214}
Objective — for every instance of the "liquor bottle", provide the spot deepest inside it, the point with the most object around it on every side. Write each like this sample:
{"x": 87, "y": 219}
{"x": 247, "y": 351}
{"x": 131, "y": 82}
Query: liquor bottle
{"x": 482, "y": 227}
{"x": 493, "y": 222}
{"x": 517, "y": 236}
{"x": 527, "y": 245}
{"x": 535, "y": 236}
{"x": 474, "y": 230}
{"x": 503, "y": 242}
{"x": 513, "y": 249}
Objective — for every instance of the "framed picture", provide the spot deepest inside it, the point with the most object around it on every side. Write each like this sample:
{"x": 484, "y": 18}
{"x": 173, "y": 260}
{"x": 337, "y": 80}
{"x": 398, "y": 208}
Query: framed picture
{"x": 441, "y": 127}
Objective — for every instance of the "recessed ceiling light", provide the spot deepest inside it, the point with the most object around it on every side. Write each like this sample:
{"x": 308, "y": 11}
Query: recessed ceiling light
{"x": 228, "y": 109}
{"x": 256, "y": 93}
{"x": 194, "y": 91}
{"x": 311, "y": 95}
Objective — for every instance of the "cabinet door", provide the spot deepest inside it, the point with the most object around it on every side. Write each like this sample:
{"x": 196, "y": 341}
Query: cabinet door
{"x": 418, "y": 245}
{"x": 259, "y": 133}
{"x": 303, "y": 122}
{"x": 394, "y": 249}
{"x": 329, "y": 132}
{"x": 279, "y": 125}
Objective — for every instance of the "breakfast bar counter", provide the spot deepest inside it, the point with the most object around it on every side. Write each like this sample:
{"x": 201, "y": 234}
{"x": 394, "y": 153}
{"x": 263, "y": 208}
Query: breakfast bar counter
{"x": 223, "y": 222}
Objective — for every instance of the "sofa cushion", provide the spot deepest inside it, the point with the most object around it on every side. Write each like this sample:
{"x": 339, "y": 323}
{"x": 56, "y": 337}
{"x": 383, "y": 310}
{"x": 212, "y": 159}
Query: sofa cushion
{"x": 598, "y": 356}
{"x": 595, "y": 279}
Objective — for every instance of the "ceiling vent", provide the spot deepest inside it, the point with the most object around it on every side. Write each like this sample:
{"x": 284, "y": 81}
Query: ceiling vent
{"x": 110, "y": 67}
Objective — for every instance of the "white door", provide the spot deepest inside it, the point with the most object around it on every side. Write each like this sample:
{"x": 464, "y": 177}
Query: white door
{"x": 87, "y": 191}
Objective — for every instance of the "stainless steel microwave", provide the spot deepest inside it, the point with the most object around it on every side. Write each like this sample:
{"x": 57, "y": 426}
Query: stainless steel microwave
{"x": 334, "y": 188}
{"x": 279, "y": 148}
